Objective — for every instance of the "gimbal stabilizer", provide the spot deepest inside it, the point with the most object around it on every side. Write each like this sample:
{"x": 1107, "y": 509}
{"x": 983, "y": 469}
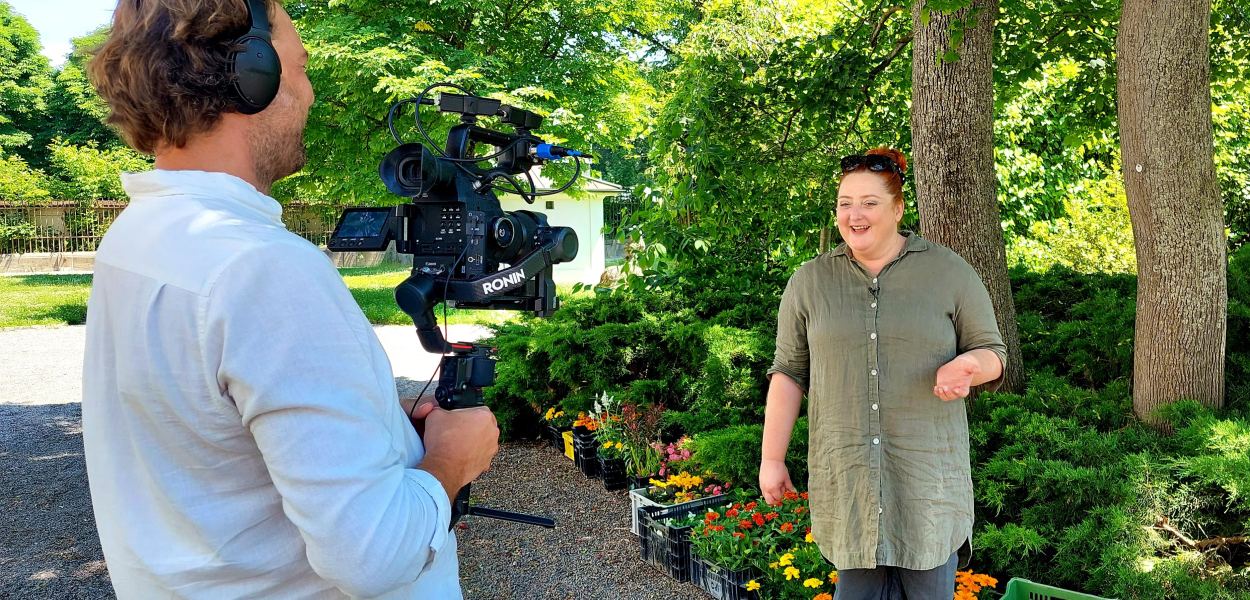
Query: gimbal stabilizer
{"x": 466, "y": 250}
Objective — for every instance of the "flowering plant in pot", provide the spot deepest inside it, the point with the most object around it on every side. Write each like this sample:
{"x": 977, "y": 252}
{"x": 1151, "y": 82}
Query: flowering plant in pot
{"x": 638, "y": 429}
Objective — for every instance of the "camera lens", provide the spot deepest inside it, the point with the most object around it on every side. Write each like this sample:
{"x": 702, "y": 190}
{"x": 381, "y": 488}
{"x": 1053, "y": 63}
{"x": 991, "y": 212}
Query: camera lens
{"x": 505, "y": 231}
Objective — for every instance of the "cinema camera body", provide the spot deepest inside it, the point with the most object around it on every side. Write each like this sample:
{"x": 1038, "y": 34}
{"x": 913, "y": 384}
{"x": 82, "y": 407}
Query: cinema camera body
{"x": 467, "y": 252}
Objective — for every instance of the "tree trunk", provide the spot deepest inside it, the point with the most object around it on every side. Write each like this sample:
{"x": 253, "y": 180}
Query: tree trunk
{"x": 952, "y": 123}
{"x": 1164, "y": 101}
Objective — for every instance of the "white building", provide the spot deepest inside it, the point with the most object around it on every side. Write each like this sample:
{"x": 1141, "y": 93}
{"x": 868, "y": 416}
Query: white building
{"x": 584, "y": 214}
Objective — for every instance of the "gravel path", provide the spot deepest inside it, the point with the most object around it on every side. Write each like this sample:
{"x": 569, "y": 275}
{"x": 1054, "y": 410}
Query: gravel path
{"x": 49, "y": 547}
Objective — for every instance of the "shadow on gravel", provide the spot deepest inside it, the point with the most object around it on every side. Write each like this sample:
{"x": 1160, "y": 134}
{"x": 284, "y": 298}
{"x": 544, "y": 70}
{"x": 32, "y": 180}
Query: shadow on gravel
{"x": 48, "y": 542}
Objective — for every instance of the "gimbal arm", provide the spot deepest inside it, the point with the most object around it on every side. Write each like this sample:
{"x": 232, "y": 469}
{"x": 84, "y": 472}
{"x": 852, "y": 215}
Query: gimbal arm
{"x": 418, "y": 294}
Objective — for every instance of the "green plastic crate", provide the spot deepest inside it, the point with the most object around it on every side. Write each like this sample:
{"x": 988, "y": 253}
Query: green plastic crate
{"x": 1023, "y": 589}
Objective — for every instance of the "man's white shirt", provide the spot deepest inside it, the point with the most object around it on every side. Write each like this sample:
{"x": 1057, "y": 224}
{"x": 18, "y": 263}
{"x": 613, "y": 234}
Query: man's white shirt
{"x": 242, "y": 429}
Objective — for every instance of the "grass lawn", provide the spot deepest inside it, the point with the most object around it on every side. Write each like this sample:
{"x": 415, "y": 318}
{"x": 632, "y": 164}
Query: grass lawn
{"x": 28, "y": 300}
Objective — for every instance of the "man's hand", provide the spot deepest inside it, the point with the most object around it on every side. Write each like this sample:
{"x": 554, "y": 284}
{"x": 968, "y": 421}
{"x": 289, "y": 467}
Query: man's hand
{"x": 954, "y": 379}
{"x": 774, "y": 480}
{"x": 411, "y": 406}
{"x": 459, "y": 444}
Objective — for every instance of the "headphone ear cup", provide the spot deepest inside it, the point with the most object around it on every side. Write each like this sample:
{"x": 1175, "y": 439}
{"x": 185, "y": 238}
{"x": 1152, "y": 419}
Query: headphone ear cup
{"x": 257, "y": 73}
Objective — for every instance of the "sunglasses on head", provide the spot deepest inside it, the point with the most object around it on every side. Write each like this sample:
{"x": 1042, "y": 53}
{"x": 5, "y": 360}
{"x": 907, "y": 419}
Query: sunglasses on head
{"x": 874, "y": 162}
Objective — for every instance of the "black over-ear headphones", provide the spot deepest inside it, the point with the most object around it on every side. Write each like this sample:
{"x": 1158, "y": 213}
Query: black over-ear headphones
{"x": 256, "y": 69}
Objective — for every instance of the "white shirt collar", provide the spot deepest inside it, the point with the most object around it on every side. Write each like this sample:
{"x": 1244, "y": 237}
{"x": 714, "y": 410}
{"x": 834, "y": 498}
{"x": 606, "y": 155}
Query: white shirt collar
{"x": 201, "y": 184}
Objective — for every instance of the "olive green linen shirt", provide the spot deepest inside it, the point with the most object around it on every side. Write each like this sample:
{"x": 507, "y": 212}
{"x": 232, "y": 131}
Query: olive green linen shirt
{"x": 889, "y": 474}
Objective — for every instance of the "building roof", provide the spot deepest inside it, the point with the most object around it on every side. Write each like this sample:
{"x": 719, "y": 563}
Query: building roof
{"x": 593, "y": 184}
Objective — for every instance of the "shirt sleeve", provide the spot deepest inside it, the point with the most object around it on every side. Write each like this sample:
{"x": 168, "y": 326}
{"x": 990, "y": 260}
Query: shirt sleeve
{"x": 791, "y": 356}
{"x": 296, "y": 357}
{"x": 975, "y": 324}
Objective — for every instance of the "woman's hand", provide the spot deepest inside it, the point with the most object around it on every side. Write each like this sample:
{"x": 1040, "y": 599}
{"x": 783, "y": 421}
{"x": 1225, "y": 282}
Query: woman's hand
{"x": 954, "y": 379}
{"x": 774, "y": 480}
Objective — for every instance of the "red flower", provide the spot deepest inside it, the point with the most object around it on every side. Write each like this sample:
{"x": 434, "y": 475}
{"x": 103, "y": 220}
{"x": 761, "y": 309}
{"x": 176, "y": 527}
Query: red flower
{"x": 803, "y": 495}
{"x": 744, "y": 524}
{"x": 770, "y": 516}
{"x": 739, "y": 534}
{"x": 790, "y": 496}
{"x": 800, "y": 510}
{"x": 759, "y": 519}
{"x": 750, "y": 506}
{"x": 716, "y": 527}
{"x": 787, "y": 527}
{"x": 731, "y": 513}
{"x": 711, "y": 516}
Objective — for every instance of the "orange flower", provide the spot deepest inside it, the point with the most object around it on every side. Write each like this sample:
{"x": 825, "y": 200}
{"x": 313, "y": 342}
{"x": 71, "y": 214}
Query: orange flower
{"x": 787, "y": 527}
{"x": 822, "y": 596}
{"x": 758, "y": 518}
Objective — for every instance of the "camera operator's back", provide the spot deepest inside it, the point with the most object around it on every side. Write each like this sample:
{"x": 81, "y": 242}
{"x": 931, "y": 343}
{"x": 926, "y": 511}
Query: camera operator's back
{"x": 243, "y": 435}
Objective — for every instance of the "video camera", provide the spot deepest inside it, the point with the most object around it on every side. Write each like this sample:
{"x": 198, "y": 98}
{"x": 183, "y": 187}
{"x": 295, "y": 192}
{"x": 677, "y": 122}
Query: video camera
{"x": 467, "y": 251}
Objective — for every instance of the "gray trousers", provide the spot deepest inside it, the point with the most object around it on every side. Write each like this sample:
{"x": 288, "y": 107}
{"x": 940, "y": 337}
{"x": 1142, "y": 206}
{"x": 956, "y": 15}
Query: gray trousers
{"x": 894, "y": 583}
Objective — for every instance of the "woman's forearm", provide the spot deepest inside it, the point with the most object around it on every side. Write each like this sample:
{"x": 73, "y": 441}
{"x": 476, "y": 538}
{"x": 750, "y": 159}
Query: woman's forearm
{"x": 989, "y": 367}
{"x": 784, "y": 400}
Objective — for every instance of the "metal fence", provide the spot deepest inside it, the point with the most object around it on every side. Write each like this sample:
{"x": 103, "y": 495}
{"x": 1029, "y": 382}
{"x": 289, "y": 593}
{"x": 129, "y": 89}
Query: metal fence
{"x": 55, "y": 227}
{"x": 65, "y": 226}
{"x": 616, "y": 210}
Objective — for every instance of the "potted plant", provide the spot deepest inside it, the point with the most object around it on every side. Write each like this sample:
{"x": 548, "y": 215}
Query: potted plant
{"x": 556, "y": 423}
{"x": 639, "y": 428}
{"x": 585, "y": 445}
{"x": 675, "y": 485}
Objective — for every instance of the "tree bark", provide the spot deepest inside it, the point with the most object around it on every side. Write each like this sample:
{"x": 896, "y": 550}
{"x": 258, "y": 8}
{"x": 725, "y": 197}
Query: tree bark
{"x": 952, "y": 123}
{"x": 1164, "y": 102}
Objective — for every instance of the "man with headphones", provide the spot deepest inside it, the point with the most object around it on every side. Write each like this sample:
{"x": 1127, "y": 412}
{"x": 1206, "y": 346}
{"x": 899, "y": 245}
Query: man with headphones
{"x": 242, "y": 429}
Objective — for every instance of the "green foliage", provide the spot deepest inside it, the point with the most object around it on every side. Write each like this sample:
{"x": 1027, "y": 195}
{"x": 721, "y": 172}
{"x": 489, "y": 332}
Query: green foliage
{"x": 733, "y": 453}
{"x": 689, "y": 352}
{"x": 764, "y": 100}
{"x": 566, "y": 59}
{"x": 1095, "y": 234}
{"x": 1069, "y": 488}
{"x": 1076, "y": 325}
{"x": 20, "y": 183}
{"x": 85, "y": 173}
{"x": 1237, "y": 375}
{"x": 77, "y": 113}
{"x": 24, "y": 79}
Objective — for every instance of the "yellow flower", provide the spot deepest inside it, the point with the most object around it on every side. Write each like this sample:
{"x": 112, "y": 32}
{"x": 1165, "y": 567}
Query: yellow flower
{"x": 620, "y": 446}
{"x": 772, "y": 565}
{"x": 607, "y": 444}
{"x": 812, "y": 583}
{"x": 657, "y": 483}
{"x": 752, "y": 585}
{"x": 786, "y": 559}
{"x": 809, "y": 539}
{"x": 791, "y": 573}
{"x": 833, "y": 577}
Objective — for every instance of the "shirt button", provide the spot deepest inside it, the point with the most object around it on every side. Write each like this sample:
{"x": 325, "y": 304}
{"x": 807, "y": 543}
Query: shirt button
{"x": 876, "y": 441}
{"x": 872, "y": 336}
{"x": 874, "y": 305}
{"x": 874, "y": 406}
{"x": 873, "y": 372}
{"x": 874, "y": 279}
{"x": 880, "y": 510}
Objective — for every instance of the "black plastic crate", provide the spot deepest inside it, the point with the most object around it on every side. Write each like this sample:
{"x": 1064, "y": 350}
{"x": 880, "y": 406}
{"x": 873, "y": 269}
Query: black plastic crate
{"x": 587, "y": 459}
{"x": 585, "y": 437}
{"x": 667, "y": 547}
{"x": 555, "y": 437}
{"x": 721, "y": 583}
{"x": 612, "y": 470}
